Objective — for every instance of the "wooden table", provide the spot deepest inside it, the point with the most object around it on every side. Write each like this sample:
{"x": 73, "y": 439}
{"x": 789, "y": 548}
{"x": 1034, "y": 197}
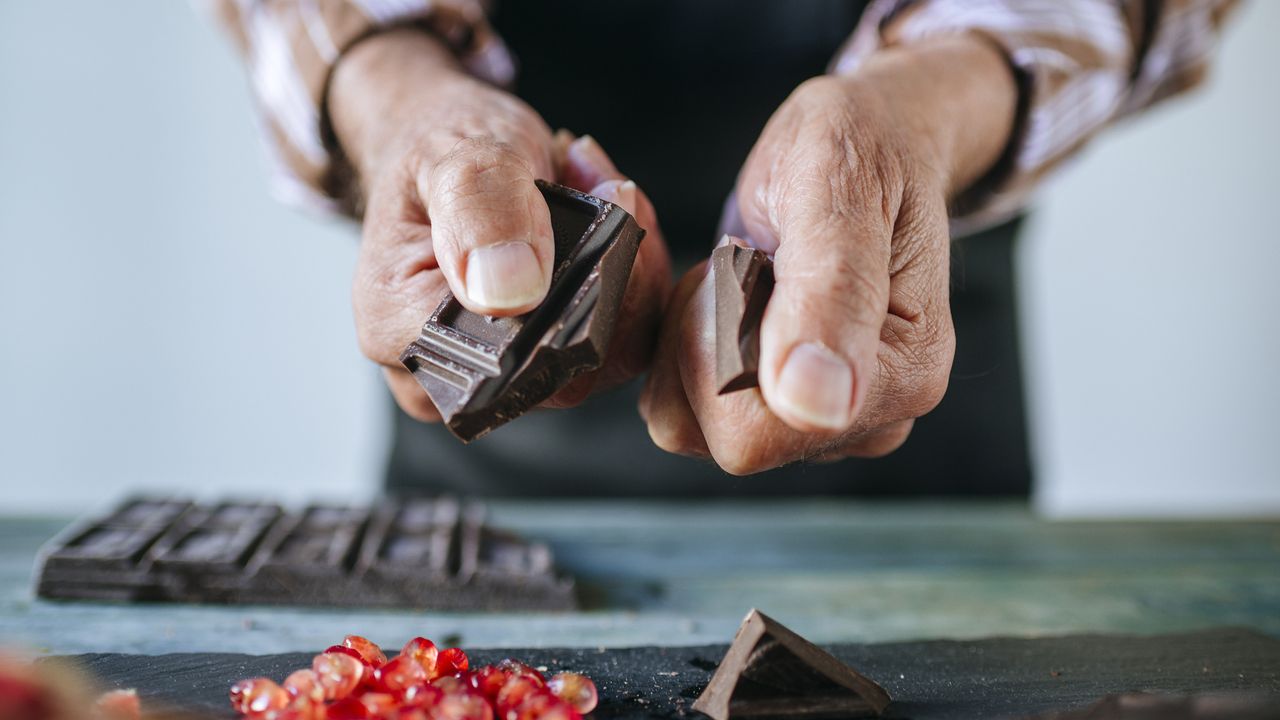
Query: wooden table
{"x": 655, "y": 573}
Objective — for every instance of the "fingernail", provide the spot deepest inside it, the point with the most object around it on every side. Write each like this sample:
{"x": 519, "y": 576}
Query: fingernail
{"x": 504, "y": 276}
{"x": 627, "y": 197}
{"x": 816, "y": 386}
{"x": 591, "y": 153}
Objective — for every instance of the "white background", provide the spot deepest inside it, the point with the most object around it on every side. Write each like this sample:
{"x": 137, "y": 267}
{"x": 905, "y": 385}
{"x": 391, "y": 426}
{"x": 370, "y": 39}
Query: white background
{"x": 165, "y": 324}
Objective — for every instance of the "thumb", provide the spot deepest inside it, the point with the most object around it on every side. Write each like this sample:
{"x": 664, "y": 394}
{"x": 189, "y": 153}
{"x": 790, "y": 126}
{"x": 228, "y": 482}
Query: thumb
{"x": 821, "y": 330}
{"x": 490, "y": 227}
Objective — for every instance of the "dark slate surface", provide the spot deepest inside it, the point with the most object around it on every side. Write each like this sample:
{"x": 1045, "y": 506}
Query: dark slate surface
{"x": 992, "y": 678}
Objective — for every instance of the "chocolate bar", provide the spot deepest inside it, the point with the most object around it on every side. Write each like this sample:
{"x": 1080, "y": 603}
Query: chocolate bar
{"x": 427, "y": 554}
{"x": 743, "y": 280}
{"x": 482, "y": 372}
{"x": 769, "y": 671}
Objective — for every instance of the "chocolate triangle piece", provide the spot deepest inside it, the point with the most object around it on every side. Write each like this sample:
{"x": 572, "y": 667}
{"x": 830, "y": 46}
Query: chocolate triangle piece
{"x": 482, "y": 372}
{"x": 743, "y": 280}
{"x": 771, "y": 672}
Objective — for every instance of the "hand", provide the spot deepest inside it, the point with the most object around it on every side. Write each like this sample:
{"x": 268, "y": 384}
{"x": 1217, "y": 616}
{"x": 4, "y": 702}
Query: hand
{"x": 446, "y": 165}
{"x": 848, "y": 187}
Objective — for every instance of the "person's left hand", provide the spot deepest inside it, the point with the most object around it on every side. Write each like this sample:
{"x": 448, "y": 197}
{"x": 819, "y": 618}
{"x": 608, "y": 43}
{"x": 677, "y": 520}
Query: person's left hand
{"x": 847, "y": 187}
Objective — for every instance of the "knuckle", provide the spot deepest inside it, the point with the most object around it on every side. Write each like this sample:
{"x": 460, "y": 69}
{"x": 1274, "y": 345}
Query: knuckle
{"x": 475, "y": 167}
{"x": 919, "y": 368}
{"x": 672, "y": 437}
{"x": 739, "y": 456}
{"x": 882, "y": 442}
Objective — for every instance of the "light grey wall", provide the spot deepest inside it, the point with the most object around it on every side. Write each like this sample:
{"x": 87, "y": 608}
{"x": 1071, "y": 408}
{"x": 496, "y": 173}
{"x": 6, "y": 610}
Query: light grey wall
{"x": 165, "y": 324}
{"x": 1151, "y": 303}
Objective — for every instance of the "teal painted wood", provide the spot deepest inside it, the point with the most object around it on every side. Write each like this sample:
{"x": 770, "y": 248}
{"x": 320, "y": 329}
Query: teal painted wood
{"x": 682, "y": 574}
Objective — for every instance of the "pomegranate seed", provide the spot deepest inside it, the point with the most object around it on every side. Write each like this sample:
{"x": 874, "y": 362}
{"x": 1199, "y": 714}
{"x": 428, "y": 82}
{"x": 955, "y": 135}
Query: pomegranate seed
{"x": 516, "y": 668}
{"x": 451, "y": 684}
{"x": 555, "y": 709}
{"x": 424, "y": 651}
{"x": 514, "y": 693}
{"x": 304, "y": 685}
{"x": 465, "y": 705}
{"x": 412, "y": 714}
{"x": 422, "y": 695}
{"x": 535, "y": 705}
{"x": 338, "y": 674}
{"x": 371, "y": 653}
{"x": 451, "y": 661}
{"x": 399, "y": 674}
{"x": 118, "y": 705}
{"x": 344, "y": 650}
{"x": 23, "y": 697}
{"x": 488, "y": 680}
{"x": 346, "y": 709}
{"x": 380, "y": 704}
{"x": 258, "y": 696}
{"x": 575, "y": 689}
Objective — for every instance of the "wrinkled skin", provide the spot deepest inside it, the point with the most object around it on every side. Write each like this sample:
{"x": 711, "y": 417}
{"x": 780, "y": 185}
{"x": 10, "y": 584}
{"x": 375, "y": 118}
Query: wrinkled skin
{"x": 848, "y": 187}
{"x": 446, "y": 165}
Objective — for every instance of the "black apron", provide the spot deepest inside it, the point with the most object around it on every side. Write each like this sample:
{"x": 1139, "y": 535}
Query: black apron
{"x": 677, "y": 93}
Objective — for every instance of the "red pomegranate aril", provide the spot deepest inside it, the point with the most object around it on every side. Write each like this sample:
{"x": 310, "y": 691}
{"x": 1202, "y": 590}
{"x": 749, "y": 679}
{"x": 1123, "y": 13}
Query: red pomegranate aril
{"x": 118, "y": 705}
{"x": 451, "y": 661}
{"x": 465, "y": 705}
{"x": 304, "y": 685}
{"x": 339, "y": 675}
{"x": 576, "y": 689}
{"x": 422, "y": 695}
{"x": 488, "y": 680}
{"x": 424, "y": 651}
{"x": 258, "y": 696}
{"x": 535, "y": 705}
{"x": 451, "y": 684}
{"x": 516, "y": 668}
{"x": 371, "y": 653}
{"x": 412, "y": 713}
{"x": 380, "y": 704}
{"x": 557, "y": 710}
{"x": 398, "y": 674}
{"x": 514, "y": 693}
{"x": 348, "y": 708}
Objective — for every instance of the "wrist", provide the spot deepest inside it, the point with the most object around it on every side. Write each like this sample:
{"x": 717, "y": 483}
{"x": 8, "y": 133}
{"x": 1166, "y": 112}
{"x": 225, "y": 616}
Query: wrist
{"x": 955, "y": 99}
{"x": 385, "y": 85}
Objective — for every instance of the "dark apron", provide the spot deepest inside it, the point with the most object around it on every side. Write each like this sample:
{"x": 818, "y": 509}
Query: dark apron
{"x": 677, "y": 93}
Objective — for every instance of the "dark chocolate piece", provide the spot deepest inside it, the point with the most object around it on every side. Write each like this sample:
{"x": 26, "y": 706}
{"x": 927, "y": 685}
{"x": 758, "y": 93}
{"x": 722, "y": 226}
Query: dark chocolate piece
{"x": 482, "y": 371}
{"x": 743, "y": 283}
{"x": 429, "y": 554}
{"x": 772, "y": 672}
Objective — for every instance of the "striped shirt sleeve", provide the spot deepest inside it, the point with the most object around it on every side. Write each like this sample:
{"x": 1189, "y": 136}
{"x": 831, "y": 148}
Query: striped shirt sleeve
{"x": 290, "y": 48}
{"x": 1081, "y": 64}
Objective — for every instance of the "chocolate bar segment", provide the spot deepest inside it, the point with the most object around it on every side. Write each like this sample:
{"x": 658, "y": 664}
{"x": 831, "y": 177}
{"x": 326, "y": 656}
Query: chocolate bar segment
{"x": 743, "y": 280}
{"x": 430, "y": 554}
{"x": 482, "y": 372}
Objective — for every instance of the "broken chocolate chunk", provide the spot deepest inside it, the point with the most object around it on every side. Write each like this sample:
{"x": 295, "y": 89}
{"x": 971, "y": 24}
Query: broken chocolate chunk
{"x": 482, "y": 371}
{"x": 743, "y": 280}
{"x": 772, "y": 672}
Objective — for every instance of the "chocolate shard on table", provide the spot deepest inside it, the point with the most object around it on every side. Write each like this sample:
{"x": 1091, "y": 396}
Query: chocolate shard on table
{"x": 771, "y": 672}
{"x": 436, "y": 554}
{"x": 482, "y": 372}
{"x": 743, "y": 280}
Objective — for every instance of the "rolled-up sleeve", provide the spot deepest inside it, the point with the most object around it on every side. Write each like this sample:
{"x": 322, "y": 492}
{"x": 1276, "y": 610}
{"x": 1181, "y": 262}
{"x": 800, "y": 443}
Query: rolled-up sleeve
{"x": 290, "y": 48}
{"x": 1080, "y": 65}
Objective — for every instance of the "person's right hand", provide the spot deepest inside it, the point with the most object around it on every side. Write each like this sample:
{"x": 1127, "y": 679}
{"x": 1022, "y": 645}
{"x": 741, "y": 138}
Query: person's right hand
{"x": 446, "y": 166}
